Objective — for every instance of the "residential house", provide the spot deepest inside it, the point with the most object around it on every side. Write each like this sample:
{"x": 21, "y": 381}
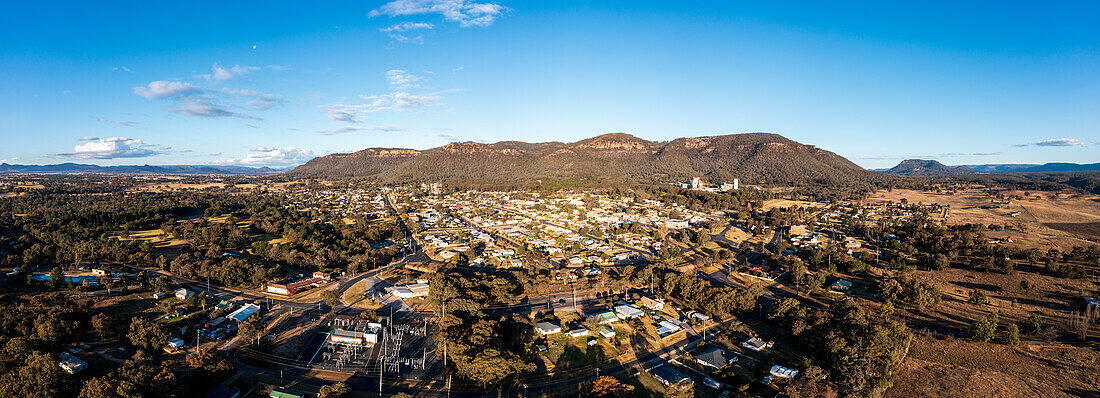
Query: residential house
{"x": 783, "y": 372}
{"x": 184, "y": 294}
{"x": 757, "y": 344}
{"x": 841, "y": 285}
{"x": 70, "y": 363}
{"x": 578, "y": 332}
{"x": 653, "y": 304}
{"x": 665, "y": 328}
{"x": 716, "y": 358}
{"x": 545, "y": 328}
{"x": 667, "y": 375}
{"x": 605, "y": 317}
{"x": 628, "y": 311}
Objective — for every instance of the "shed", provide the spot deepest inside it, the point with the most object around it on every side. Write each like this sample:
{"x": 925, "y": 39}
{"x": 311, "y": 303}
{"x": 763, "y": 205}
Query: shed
{"x": 241, "y": 314}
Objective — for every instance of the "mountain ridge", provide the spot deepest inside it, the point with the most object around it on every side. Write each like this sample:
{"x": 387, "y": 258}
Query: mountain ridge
{"x": 926, "y": 168}
{"x": 750, "y": 157}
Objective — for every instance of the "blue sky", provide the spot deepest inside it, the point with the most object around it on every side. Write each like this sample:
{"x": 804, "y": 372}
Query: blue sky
{"x": 276, "y": 83}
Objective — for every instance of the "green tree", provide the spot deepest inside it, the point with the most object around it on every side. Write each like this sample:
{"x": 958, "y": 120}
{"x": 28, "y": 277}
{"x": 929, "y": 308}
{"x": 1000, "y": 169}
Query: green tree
{"x": 251, "y": 330}
{"x": 984, "y": 329}
{"x": 102, "y": 323}
{"x": 147, "y": 333}
{"x": 977, "y": 297}
{"x": 609, "y": 387}
{"x": 682, "y": 389}
{"x": 1012, "y": 335}
{"x": 17, "y": 347}
{"x": 57, "y": 277}
{"x": 331, "y": 297}
{"x": 39, "y": 378}
{"x": 338, "y": 390}
{"x": 886, "y": 309}
{"x": 1032, "y": 325}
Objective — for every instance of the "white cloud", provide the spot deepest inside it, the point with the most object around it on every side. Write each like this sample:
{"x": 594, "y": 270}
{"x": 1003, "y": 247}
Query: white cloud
{"x": 121, "y": 69}
{"x": 166, "y": 89}
{"x": 351, "y": 129}
{"x": 215, "y": 153}
{"x": 203, "y": 107}
{"x": 400, "y": 101}
{"x": 1060, "y": 142}
{"x": 259, "y": 101}
{"x": 344, "y": 113}
{"x": 90, "y": 139}
{"x": 402, "y": 98}
{"x": 466, "y": 13}
{"x": 110, "y": 148}
{"x": 272, "y": 156}
{"x": 406, "y": 26}
{"x": 66, "y": 92}
{"x": 220, "y": 74}
{"x": 402, "y": 80}
{"x": 120, "y": 123}
{"x": 396, "y": 32}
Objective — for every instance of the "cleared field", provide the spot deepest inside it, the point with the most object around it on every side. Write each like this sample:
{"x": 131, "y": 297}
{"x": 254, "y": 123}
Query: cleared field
{"x": 736, "y": 234}
{"x": 784, "y": 203}
{"x": 1054, "y": 298}
{"x": 937, "y": 368}
{"x": 354, "y": 297}
{"x": 1046, "y": 219}
{"x": 155, "y": 236}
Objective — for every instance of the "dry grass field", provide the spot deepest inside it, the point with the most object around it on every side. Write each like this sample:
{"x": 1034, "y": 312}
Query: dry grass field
{"x": 1054, "y": 298}
{"x": 784, "y": 204}
{"x": 951, "y": 367}
{"x": 1045, "y": 219}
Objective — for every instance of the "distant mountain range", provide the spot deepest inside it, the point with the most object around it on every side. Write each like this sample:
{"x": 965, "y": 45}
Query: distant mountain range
{"x": 932, "y": 168}
{"x": 752, "y": 158}
{"x": 76, "y": 168}
{"x": 926, "y": 168}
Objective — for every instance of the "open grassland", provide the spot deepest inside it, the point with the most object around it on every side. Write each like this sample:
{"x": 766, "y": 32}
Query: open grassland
{"x": 786, "y": 204}
{"x": 1054, "y": 298}
{"x": 936, "y": 368}
{"x": 1044, "y": 219}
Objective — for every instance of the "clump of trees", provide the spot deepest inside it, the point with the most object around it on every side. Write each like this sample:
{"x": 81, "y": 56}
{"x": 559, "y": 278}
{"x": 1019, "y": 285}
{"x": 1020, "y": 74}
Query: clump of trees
{"x": 858, "y": 352}
{"x": 910, "y": 292}
{"x": 486, "y": 349}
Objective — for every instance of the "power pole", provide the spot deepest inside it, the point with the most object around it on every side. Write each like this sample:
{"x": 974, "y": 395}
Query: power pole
{"x": 445, "y": 346}
{"x": 574, "y": 294}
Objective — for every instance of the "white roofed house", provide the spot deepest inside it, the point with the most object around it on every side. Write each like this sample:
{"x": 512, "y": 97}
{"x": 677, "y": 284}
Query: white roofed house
{"x": 174, "y": 345}
{"x": 70, "y": 363}
{"x": 628, "y": 311}
{"x": 545, "y": 328}
{"x": 418, "y": 289}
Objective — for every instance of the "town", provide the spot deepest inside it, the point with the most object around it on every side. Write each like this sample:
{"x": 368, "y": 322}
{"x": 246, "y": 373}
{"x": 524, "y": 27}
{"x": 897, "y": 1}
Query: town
{"x": 666, "y": 290}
